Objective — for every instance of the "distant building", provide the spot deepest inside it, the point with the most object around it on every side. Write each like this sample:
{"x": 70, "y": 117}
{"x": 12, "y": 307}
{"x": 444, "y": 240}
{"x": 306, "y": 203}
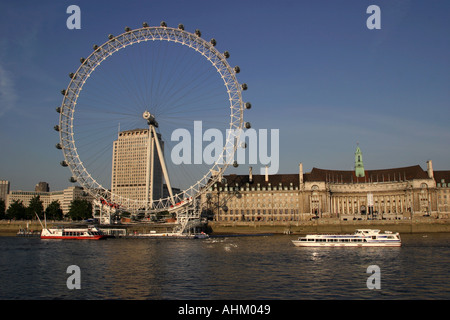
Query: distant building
{"x": 4, "y": 189}
{"x": 64, "y": 197}
{"x": 42, "y": 187}
{"x": 442, "y": 179}
{"x": 136, "y": 168}
{"x": 396, "y": 193}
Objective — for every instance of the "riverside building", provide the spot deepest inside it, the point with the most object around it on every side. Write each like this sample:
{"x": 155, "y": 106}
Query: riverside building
{"x": 396, "y": 193}
{"x": 136, "y": 168}
{"x": 64, "y": 197}
{"x": 4, "y": 189}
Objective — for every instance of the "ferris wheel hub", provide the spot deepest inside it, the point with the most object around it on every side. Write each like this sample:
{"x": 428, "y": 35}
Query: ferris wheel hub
{"x": 150, "y": 118}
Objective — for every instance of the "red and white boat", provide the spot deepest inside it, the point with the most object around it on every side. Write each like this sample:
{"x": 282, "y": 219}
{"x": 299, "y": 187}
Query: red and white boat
{"x": 89, "y": 233}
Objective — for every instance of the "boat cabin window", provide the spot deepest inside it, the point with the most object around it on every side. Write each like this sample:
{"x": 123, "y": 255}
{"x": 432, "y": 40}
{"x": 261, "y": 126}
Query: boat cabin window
{"x": 72, "y": 233}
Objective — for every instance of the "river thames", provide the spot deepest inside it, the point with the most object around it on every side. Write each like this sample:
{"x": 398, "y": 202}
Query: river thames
{"x": 222, "y": 268}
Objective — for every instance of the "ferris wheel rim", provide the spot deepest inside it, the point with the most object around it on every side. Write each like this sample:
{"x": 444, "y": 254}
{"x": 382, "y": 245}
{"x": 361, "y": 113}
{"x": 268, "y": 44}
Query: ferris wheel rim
{"x": 130, "y": 37}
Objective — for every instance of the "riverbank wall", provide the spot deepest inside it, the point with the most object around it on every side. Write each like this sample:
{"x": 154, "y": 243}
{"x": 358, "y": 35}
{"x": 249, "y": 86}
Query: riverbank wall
{"x": 10, "y": 228}
{"x": 418, "y": 225}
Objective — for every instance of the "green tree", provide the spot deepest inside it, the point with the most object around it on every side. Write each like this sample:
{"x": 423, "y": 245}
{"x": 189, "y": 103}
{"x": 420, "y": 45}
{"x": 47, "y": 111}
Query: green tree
{"x": 80, "y": 209}
{"x": 35, "y": 207}
{"x": 54, "y": 211}
{"x": 16, "y": 210}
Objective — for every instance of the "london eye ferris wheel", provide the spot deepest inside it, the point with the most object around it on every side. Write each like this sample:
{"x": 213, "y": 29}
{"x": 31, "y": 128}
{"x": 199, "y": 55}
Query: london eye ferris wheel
{"x": 161, "y": 79}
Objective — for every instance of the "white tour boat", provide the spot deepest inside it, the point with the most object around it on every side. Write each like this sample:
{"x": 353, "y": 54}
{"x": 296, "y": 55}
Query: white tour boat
{"x": 361, "y": 238}
{"x": 71, "y": 233}
{"x": 88, "y": 233}
{"x": 178, "y": 235}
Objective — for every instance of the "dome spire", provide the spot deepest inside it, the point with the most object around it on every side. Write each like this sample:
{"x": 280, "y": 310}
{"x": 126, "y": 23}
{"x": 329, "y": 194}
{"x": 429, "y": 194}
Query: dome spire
{"x": 359, "y": 166}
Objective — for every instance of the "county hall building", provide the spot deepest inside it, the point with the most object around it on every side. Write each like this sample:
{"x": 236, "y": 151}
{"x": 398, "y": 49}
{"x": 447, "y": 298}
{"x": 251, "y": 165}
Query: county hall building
{"x": 397, "y": 193}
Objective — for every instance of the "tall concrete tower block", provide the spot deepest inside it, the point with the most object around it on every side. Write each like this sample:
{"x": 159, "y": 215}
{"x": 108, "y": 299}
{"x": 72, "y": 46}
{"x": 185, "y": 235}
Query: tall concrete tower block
{"x": 136, "y": 168}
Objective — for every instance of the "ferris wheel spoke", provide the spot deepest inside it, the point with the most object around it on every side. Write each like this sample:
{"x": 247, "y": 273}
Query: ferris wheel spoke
{"x": 191, "y": 90}
{"x": 180, "y": 113}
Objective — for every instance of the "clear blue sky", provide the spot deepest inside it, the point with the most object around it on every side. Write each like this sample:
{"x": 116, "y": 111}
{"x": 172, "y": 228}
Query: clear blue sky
{"x": 314, "y": 71}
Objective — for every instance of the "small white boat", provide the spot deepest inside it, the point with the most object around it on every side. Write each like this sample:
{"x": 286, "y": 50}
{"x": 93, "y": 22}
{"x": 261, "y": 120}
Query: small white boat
{"x": 71, "y": 233}
{"x": 361, "y": 238}
{"x": 27, "y": 233}
{"x": 177, "y": 235}
{"x": 89, "y": 233}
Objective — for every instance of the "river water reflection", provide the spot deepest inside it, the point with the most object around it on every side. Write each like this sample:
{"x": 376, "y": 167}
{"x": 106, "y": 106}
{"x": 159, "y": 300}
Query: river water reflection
{"x": 256, "y": 267}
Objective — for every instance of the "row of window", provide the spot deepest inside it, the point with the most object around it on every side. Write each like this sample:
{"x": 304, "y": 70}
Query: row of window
{"x": 258, "y": 218}
{"x": 261, "y": 211}
{"x": 269, "y": 188}
{"x": 72, "y": 233}
{"x": 333, "y": 240}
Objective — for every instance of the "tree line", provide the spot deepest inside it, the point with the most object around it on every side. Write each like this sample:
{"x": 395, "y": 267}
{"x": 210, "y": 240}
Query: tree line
{"x": 79, "y": 210}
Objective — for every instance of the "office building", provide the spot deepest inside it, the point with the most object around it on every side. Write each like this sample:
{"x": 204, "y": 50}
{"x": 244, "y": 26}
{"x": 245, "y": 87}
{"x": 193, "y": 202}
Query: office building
{"x": 136, "y": 168}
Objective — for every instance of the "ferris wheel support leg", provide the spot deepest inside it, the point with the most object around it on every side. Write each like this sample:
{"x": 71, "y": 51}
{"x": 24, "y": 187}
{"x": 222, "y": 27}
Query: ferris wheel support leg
{"x": 149, "y": 175}
{"x": 163, "y": 164}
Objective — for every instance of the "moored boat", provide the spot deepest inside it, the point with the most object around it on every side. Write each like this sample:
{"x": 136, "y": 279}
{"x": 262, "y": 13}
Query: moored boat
{"x": 89, "y": 233}
{"x": 71, "y": 233}
{"x": 28, "y": 233}
{"x": 177, "y": 235}
{"x": 361, "y": 238}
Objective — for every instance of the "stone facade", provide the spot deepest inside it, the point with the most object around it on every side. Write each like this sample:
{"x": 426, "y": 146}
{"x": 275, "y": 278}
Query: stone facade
{"x": 398, "y": 193}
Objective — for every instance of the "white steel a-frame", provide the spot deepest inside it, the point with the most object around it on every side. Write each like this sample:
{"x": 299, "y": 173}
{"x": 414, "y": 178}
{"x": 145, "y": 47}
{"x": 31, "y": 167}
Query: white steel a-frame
{"x": 152, "y": 142}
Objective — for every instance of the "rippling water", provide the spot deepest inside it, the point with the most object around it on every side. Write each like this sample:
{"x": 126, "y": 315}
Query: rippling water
{"x": 259, "y": 267}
